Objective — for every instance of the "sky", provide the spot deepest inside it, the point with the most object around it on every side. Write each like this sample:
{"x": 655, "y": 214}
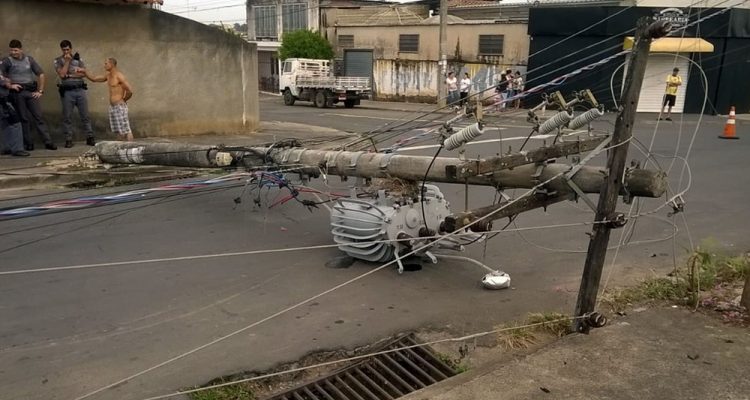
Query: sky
{"x": 210, "y": 11}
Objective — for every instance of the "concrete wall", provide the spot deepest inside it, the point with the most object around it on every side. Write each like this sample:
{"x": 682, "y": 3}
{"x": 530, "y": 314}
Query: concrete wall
{"x": 463, "y": 41}
{"x": 414, "y": 76}
{"x": 417, "y": 81}
{"x": 188, "y": 78}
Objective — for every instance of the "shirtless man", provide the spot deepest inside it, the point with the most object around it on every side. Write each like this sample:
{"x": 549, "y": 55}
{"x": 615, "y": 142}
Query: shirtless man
{"x": 119, "y": 93}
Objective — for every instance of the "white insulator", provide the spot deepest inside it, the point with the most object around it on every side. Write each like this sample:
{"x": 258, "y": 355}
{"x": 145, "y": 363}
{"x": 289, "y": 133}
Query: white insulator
{"x": 463, "y": 136}
{"x": 555, "y": 122}
{"x": 585, "y": 118}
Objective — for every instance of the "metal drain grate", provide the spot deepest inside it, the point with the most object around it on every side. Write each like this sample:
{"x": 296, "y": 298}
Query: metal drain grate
{"x": 381, "y": 377}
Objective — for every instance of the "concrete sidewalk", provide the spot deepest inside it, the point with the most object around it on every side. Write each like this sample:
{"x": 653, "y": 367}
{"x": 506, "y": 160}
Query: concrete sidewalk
{"x": 657, "y": 353}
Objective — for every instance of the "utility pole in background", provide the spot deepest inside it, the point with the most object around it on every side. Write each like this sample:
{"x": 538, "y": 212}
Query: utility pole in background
{"x": 597, "y": 250}
{"x": 442, "y": 56}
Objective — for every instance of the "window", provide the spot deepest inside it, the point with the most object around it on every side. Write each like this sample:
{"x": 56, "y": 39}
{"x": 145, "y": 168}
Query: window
{"x": 408, "y": 43}
{"x": 294, "y": 16}
{"x": 490, "y": 45}
{"x": 346, "y": 41}
{"x": 287, "y": 67}
{"x": 265, "y": 21}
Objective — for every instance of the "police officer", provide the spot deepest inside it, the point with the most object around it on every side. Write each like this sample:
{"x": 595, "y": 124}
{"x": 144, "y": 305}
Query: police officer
{"x": 10, "y": 122}
{"x": 21, "y": 70}
{"x": 71, "y": 70}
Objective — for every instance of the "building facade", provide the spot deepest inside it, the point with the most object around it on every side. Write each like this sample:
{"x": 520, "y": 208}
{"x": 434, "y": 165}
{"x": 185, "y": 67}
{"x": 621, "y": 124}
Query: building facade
{"x": 718, "y": 45}
{"x": 267, "y": 21}
{"x": 403, "y": 59}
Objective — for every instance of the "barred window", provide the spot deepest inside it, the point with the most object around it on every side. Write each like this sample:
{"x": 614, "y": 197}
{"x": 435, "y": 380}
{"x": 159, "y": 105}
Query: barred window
{"x": 294, "y": 16}
{"x": 408, "y": 43}
{"x": 491, "y": 45}
{"x": 265, "y": 21}
{"x": 346, "y": 41}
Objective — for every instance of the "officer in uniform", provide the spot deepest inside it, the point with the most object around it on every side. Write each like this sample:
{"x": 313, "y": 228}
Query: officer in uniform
{"x": 10, "y": 122}
{"x": 21, "y": 70}
{"x": 71, "y": 70}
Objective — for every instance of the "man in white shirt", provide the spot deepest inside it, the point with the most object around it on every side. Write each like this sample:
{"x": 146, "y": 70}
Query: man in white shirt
{"x": 452, "y": 84}
{"x": 465, "y": 87}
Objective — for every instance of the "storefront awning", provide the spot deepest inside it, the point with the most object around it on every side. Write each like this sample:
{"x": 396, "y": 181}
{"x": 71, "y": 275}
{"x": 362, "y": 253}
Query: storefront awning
{"x": 674, "y": 45}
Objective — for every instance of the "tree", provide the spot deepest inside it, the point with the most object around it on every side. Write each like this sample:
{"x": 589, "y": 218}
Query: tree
{"x": 305, "y": 44}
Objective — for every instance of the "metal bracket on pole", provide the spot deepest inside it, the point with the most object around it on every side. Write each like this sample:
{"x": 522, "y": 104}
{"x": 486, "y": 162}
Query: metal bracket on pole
{"x": 568, "y": 177}
{"x": 580, "y": 193}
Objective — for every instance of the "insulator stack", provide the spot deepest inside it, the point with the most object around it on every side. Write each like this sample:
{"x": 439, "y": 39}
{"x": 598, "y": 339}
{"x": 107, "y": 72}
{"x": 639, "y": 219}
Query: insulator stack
{"x": 585, "y": 118}
{"x": 555, "y": 122}
{"x": 463, "y": 136}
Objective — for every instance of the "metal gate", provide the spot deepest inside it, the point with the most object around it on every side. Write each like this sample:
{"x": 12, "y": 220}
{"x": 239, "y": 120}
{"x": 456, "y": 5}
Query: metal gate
{"x": 654, "y": 82}
{"x": 358, "y": 63}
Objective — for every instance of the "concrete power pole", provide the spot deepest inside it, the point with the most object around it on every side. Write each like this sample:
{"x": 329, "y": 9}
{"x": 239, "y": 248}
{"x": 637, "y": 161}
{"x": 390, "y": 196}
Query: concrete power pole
{"x": 442, "y": 57}
{"x": 597, "y": 250}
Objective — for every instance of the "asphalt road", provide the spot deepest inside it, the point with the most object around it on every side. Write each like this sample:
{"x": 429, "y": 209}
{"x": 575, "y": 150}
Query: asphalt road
{"x": 67, "y": 333}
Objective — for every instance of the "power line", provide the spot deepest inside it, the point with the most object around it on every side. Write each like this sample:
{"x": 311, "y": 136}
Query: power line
{"x": 352, "y": 280}
{"x": 364, "y": 356}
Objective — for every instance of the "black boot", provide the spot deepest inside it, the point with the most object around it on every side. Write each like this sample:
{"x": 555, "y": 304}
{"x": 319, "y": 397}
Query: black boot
{"x": 68, "y": 144}
{"x": 90, "y": 141}
{"x": 50, "y": 146}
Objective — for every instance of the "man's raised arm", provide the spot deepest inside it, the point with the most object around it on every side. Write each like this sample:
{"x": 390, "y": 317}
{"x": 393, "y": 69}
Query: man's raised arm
{"x": 101, "y": 78}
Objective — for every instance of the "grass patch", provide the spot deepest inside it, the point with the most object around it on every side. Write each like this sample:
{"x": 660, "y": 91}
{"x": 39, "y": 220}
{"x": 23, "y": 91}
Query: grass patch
{"x": 556, "y": 324}
{"x": 705, "y": 270}
{"x": 521, "y": 336}
{"x": 231, "y": 392}
{"x": 454, "y": 363}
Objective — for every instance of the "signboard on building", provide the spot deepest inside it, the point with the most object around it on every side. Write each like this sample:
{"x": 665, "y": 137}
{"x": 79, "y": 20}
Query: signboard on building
{"x": 673, "y": 15}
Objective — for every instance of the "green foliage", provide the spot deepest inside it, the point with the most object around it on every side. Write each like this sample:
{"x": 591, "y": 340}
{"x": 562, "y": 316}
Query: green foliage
{"x": 231, "y": 392}
{"x": 706, "y": 268}
{"x": 305, "y": 44}
{"x": 454, "y": 363}
{"x": 522, "y": 335}
{"x": 554, "y": 323}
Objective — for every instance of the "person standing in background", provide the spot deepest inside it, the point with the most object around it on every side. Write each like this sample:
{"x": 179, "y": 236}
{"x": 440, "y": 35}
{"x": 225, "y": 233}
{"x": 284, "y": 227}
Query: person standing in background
{"x": 71, "y": 70}
{"x": 120, "y": 92}
{"x": 674, "y": 81}
{"x": 23, "y": 70}
{"x": 518, "y": 86}
{"x": 10, "y": 122}
{"x": 465, "y": 87}
{"x": 451, "y": 83}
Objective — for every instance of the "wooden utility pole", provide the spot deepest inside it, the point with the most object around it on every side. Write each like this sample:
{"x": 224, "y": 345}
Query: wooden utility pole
{"x": 597, "y": 251}
{"x": 442, "y": 57}
{"x": 745, "y": 299}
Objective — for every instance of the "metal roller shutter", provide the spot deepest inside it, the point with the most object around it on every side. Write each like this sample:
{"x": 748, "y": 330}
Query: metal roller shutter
{"x": 654, "y": 83}
{"x": 358, "y": 63}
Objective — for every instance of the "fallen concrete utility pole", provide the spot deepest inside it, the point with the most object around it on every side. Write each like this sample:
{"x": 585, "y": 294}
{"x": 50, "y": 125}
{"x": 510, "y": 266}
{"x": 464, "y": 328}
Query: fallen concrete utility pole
{"x": 639, "y": 182}
{"x": 162, "y": 153}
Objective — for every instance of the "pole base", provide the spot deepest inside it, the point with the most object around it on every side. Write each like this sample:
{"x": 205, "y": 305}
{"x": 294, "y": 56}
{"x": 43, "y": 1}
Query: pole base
{"x": 728, "y": 137}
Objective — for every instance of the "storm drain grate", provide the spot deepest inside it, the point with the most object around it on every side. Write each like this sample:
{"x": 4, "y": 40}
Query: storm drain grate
{"x": 384, "y": 376}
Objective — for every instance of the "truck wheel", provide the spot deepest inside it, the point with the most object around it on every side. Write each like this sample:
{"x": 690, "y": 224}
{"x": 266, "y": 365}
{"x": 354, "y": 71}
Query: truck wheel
{"x": 320, "y": 99}
{"x": 349, "y": 103}
{"x": 288, "y": 98}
